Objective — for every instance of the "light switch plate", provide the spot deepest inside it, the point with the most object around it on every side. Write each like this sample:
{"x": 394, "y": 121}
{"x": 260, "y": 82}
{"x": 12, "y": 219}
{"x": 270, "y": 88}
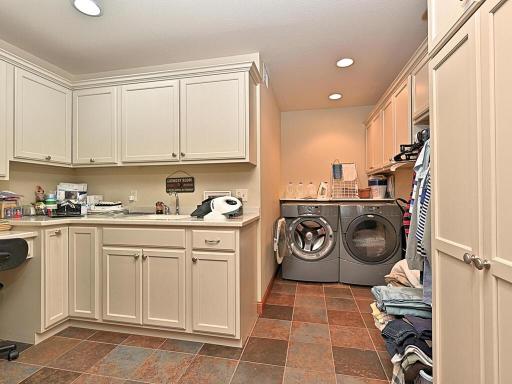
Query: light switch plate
{"x": 242, "y": 194}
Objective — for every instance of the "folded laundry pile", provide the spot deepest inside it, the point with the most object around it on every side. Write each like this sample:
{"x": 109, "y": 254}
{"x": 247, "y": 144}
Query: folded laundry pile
{"x": 401, "y": 301}
{"x": 402, "y": 276}
{"x": 409, "y": 342}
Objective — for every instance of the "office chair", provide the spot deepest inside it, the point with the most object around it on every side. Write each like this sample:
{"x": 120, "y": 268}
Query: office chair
{"x": 13, "y": 253}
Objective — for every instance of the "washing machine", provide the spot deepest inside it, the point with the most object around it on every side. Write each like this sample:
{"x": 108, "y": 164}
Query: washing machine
{"x": 371, "y": 239}
{"x": 306, "y": 242}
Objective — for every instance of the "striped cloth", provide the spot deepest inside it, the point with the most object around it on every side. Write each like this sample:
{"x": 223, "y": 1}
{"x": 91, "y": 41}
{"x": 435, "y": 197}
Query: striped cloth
{"x": 422, "y": 214}
{"x": 407, "y": 214}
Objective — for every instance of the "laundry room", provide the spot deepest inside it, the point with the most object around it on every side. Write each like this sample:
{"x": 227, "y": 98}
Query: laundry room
{"x": 267, "y": 192}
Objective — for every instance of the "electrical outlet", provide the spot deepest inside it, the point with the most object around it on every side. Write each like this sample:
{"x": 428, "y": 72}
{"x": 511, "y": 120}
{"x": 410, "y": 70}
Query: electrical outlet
{"x": 133, "y": 196}
{"x": 242, "y": 194}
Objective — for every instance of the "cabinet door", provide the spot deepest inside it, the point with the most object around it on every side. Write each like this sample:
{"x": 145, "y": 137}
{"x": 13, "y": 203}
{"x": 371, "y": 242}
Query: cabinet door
{"x": 443, "y": 15}
{"x": 376, "y": 145}
{"x": 420, "y": 86}
{"x": 496, "y": 34}
{"x": 4, "y": 162}
{"x": 83, "y": 272}
{"x": 213, "y": 292}
{"x": 163, "y": 288}
{"x": 56, "y": 290}
{"x": 42, "y": 119}
{"x": 369, "y": 147}
{"x": 214, "y": 117}
{"x": 456, "y": 218}
{"x": 402, "y": 116}
{"x": 150, "y": 121}
{"x": 122, "y": 291}
{"x": 95, "y": 126}
{"x": 388, "y": 129}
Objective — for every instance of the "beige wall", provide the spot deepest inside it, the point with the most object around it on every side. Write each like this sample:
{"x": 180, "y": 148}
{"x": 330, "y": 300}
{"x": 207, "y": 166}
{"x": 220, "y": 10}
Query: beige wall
{"x": 311, "y": 140}
{"x": 270, "y": 155}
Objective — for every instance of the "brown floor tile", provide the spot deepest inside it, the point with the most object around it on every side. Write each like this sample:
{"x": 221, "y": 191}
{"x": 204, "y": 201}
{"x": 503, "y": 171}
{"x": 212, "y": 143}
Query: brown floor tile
{"x": 342, "y": 379}
{"x": 77, "y": 333}
{"x": 122, "y": 362}
{"x": 364, "y": 305}
{"x": 336, "y": 285}
{"x": 343, "y": 292}
{"x": 272, "y": 329}
{"x": 280, "y": 299}
{"x": 257, "y": 373}
{"x": 351, "y": 337}
{"x": 164, "y": 367}
{"x": 310, "y": 314}
{"x": 310, "y": 290}
{"x": 301, "y": 376}
{"x": 82, "y": 357}
{"x": 144, "y": 341}
{"x": 94, "y": 379}
{"x": 377, "y": 339}
{"x": 13, "y": 372}
{"x": 181, "y": 346}
{"x": 309, "y": 301}
{"x": 215, "y": 350}
{"x": 279, "y": 279}
{"x": 49, "y": 375}
{"x": 361, "y": 292}
{"x": 346, "y": 319}
{"x": 315, "y": 357}
{"x": 385, "y": 360}
{"x": 209, "y": 370}
{"x": 266, "y": 351}
{"x": 288, "y": 289}
{"x": 109, "y": 337}
{"x": 341, "y": 304}
{"x": 310, "y": 333}
{"x": 358, "y": 362}
{"x": 279, "y": 312}
{"x": 47, "y": 350}
{"x": 369, "y": 320}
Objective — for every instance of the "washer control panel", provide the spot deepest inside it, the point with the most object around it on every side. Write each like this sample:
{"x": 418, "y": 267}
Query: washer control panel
{"x": 308, "y": 210}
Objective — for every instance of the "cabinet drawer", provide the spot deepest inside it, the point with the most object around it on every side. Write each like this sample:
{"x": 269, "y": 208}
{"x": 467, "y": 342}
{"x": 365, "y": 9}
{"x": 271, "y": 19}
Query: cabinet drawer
{"x": 221, "y": 240}
{"x": 145, "y": 237}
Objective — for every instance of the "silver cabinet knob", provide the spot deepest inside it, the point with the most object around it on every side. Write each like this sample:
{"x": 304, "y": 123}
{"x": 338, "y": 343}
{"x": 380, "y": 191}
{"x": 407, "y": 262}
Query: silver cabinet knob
{"x": 481, "y": 264}
{"x": 58, "y": 232}
{"x": 468, "y": 258}
{"x": 91, "y": 160}
{"x": 182, "y": 154}
{"x": 144, "y": 256}
{"x": 48, "y": 158}
{"x": 194, "y": 260}
{"x": 174, "y": 154}
{"x": 136, "y": 256}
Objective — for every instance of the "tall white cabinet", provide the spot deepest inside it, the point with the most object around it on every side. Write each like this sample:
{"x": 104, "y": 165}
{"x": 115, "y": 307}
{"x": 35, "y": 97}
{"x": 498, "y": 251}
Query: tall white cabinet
{"x": 42, "y": 119}
{"x": 6, "y": 117}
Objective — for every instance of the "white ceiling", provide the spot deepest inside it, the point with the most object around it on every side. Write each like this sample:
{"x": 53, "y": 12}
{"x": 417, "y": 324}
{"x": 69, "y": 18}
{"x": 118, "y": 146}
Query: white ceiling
{"x": 300, "y": 40}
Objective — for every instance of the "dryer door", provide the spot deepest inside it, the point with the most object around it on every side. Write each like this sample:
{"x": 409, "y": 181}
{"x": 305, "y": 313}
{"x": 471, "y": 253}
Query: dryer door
{"x": 371, "y": 239}
{"x": 311, "y": 238}
{"x": 281, "y": 242}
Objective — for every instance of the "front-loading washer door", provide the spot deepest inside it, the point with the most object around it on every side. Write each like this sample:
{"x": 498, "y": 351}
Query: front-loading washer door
{"x": 371, "y": 239}
{"x": 311, "y": 238}
{"x": 281, "y": 241}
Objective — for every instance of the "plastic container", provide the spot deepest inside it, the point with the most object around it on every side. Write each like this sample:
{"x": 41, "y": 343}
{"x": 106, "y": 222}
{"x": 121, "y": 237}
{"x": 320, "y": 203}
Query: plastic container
{"x": 311, "y": 191}
{"x": 290, "y": 191}
{"x": 300, "y": 190}
{"x": 378, "y": 186}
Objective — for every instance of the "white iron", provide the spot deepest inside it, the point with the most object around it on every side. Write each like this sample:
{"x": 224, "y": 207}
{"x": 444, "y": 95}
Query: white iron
{"x": 222, "y": 207}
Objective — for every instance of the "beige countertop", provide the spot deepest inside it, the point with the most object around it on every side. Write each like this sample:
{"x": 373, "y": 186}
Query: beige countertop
{"x": 152, "y": 220}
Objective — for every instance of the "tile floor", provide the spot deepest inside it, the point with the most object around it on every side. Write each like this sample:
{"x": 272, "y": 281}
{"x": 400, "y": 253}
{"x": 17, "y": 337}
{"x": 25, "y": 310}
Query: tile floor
{"x": 308, "y": 333}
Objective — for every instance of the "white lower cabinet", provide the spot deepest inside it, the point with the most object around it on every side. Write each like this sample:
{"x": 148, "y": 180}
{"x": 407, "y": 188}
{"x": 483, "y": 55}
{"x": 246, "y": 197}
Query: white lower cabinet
{"x": 163, "y": 288}
{"x": 83, "y": 272}
{"x": 122, "y": 294}
{"x": 214, "y": 292}
{"x": 55, "y": 265}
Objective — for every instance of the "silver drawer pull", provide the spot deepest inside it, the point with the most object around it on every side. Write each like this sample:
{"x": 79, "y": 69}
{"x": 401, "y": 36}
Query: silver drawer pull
{"x": 212, "y": 242}
{"x": 57, "y": 232}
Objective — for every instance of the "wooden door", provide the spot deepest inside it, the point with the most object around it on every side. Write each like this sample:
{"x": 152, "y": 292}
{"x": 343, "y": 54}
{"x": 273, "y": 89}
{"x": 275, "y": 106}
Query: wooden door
{"x": 56, "y": 288}
{"x": 150, "y": 121}
{"x": 496, "y": 35}
{"x": 456, "y": 209}
{"x": 4, "y": 162}
{"x": 163, "y": 288}
{"x": 95, "y": 126}
{"x": 122, "y": 283}
{"x": 42, "y": 119}
{"x": 214, "y": 292}
{"x": 84, "y": 272}
{"x": 388, "y": 132}
{"x": 214, "y": 117}
{"x": 403, "y": 121}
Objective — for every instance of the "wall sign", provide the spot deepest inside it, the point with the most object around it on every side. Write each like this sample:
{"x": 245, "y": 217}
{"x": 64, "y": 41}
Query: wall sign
{"x": 180, "y": 184}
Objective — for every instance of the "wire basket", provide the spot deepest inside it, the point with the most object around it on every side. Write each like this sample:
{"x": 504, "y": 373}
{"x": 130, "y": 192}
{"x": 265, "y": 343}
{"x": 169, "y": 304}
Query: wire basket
{"x": 341, "y": 188}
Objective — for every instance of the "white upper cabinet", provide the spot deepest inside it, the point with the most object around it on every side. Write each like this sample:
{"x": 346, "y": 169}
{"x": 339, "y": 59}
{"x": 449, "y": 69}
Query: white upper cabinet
{"x": 402, "y": 115}
{"x": 388, "y": 137}
{"x": 95, "y": 126}
{"x": 443, "y": 16}
{"x": 42, "y": 119}
{"x": 150, "y": 122}
{"x": 214, "y": 117}
{"x": 420, "y": 86}
{"x": 6, "y": 118}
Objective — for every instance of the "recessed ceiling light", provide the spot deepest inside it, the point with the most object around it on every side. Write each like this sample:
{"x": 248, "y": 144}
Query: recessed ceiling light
{"x": 335, "y": 96}
{"x": 87, "y": 7}
{"x": 344, "y": 63}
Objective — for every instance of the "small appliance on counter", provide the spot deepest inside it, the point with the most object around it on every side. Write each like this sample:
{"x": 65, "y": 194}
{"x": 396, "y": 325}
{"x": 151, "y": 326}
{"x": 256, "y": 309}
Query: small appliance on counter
{"x": 218, "y": 209}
